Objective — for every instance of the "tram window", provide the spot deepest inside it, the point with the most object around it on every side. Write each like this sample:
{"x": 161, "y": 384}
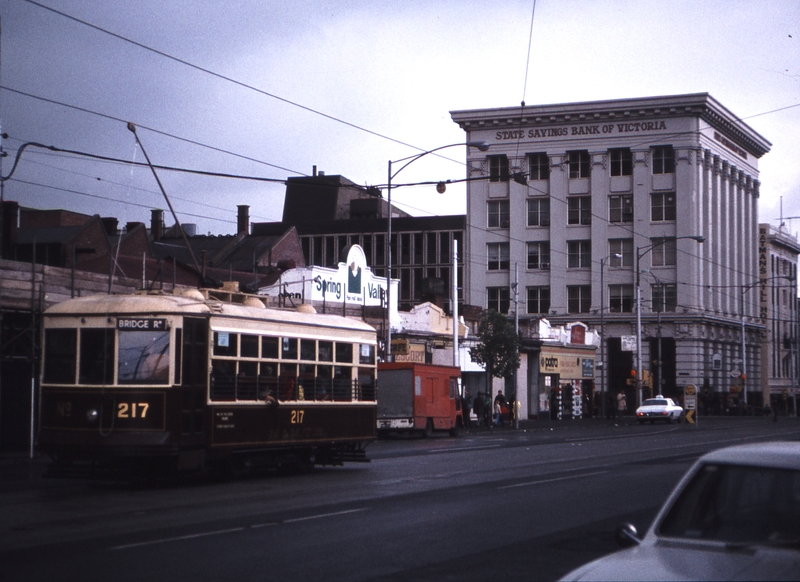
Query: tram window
{"x": 344, "y": 353}
{"x": 223, "y": 380}
{"x": 249, "y": 346}
{"x": 342, "y": 385}
{"x": 60, "y": 351}
{"x": 366, "y": 384}
{"x": 306, "y": 390}
{"x": 246, "y": 381}
{"x": 97, "y": 356}
{"x": 225, "y": 343}
{"x": 269, "y": 347}
{"x": 287, "y": 383}
{"x": 308, "y": 350}
{"x": 325, "y": 351}
{"x": 143, "y": 357}
{"x": 323, "y": 382}
{"x": 289, "y": 348}
{"x": 366, "y": 354}
{"x": 267, "y": 380}
{"x": 178, "y": 354}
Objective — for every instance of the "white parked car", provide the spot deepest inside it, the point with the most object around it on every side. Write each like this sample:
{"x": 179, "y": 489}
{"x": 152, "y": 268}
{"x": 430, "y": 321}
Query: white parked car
{"x": 658, "y": 408}
{"x": 735, "y": 515}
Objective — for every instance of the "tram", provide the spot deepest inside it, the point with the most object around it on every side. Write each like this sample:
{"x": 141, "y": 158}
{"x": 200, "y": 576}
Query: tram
{"x": 152, "y": 383}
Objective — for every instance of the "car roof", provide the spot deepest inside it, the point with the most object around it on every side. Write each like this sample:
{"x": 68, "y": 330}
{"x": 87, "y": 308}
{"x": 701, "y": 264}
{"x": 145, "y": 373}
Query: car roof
{"x": 784, "y": 455}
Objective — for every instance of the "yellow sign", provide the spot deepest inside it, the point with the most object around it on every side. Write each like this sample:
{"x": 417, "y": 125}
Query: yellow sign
{"x": 400, "y": 347}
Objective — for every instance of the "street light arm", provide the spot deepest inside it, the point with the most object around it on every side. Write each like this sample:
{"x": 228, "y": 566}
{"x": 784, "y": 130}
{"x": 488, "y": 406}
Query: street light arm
{"x": 481, "y": 145}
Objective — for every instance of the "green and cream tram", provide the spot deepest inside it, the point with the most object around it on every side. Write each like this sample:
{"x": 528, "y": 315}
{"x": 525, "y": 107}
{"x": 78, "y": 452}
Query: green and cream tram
{"x": 181, "y": 382}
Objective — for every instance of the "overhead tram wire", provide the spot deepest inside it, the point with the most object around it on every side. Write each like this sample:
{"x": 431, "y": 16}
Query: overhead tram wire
{"x": 148, "y": 128}
{"x": 228, "y": 79}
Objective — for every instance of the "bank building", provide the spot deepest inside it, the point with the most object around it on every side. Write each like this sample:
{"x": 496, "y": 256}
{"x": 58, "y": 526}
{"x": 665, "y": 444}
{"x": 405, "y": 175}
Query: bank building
{"x": 639, "y": 218}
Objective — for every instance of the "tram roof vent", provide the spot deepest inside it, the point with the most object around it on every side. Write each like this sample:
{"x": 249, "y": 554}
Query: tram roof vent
{"x": 254, "y": 302}
{"x": 194, "y": 294}
{"x": 306, "y": 308}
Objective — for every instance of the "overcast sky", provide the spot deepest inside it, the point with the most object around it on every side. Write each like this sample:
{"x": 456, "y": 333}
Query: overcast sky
{"x": 272, "y": 88}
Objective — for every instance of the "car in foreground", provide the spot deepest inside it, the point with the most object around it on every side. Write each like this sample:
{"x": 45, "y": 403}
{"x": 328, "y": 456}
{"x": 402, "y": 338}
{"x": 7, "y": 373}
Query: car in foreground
{"x": 735, "y": 515}
{"x": 658, "y": 408}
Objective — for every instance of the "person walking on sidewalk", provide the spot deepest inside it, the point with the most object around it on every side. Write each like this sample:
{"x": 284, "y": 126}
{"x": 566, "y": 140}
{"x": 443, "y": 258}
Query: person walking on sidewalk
{"x": 622, "y": 403}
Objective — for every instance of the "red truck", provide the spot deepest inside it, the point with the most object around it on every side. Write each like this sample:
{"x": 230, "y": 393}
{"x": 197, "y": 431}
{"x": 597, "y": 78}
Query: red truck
{"x": 418, "y": 398}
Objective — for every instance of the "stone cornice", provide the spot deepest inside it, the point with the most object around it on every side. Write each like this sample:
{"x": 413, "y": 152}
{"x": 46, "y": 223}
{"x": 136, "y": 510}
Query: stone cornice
{"x": 700, "y": 105}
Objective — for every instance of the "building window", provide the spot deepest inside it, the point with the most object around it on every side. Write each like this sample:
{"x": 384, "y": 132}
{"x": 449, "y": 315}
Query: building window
{"x": 621, "y": 252}
{"x": 498, "y": 168}
{"x": 620, "y": 298}
{"x": 665, "y": 297}
{"x": 579, "y": 254}
{"x": 498, "y": 299}
{"x": 539, "y": 166}
{"x": 579, "y": 298}
{"x": 662, "y": 206}
{"x": 620, "y": 208}
{"x": 539, "y": 212}
{"x": 539, "y": 255}
{"x": 665, "y": 251}
{"x": 538, "y": 299}
{"x": 621, "y": 162}
{"x": 579, "y": 210}
{"x": 663, "y": 160}
{"x": 497, "y": 254}
{"x": 579, "y": 164}
{"x": 498, "y": 214}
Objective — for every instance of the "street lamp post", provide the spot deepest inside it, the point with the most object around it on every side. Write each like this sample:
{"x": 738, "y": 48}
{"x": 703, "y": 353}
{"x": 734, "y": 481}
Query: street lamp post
{"x": 482, "y": 146}
{"x": 603, "y": 329}
{"x": 640, "y": 252}
{"x": 745, "y": 289}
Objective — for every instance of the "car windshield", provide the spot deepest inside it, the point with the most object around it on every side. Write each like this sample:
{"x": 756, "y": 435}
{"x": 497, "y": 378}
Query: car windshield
{"x": 737, "y": 504}
{"x": 654, "y": 402}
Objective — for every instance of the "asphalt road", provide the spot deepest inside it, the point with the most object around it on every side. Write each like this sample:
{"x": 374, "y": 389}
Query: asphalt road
{"x": 509, "y": 505}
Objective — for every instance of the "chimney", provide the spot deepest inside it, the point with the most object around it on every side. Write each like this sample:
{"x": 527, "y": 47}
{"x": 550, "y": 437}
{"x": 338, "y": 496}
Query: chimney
{"x": 243, "y": 220}
{"x": 156, "y": 224}
{"x": 9, "y": 221}
{"x": 110, "y": 225}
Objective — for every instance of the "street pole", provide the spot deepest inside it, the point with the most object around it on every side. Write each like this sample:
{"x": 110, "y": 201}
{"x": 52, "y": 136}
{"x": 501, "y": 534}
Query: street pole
{"x": 640, "y": 252}
{"x": 454, "y": 301}
{"x": 516, "y": 332}
{"x": 482, "y": 146}
{"x": 603, "y": 336}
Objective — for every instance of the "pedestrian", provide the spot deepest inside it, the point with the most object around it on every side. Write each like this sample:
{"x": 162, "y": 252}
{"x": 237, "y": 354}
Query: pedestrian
{"x": 487, "y": 409}
{"x": 622, "y": 403}
{"x": 499, "y": 405}
{"x": 477, "y": 406}
{"x": 466, "y": 407}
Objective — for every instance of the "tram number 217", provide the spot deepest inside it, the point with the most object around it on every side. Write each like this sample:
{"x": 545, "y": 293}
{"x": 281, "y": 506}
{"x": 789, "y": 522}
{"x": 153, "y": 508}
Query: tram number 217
{"x": 297, "y": 416}
{"x": 132, "y": 409}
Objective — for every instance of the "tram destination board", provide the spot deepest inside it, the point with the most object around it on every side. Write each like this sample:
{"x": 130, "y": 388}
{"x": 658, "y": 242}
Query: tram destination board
{"x": 141, "y": 324}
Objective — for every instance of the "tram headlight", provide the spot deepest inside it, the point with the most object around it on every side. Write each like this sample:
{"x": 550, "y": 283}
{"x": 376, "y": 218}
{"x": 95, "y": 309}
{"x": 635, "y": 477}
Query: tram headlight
{"x": 92, "y": 415}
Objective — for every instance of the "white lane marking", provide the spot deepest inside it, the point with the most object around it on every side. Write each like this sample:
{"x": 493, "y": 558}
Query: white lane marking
{"x": 540, "y": 481}
{"x": 179, "y": 538}
{"x": 233, "y": 529}
{"x": 460, "y": 449}
{"x": 321, "y": 515}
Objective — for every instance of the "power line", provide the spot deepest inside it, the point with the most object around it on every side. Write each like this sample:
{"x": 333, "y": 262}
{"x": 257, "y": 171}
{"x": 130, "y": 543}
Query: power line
{"x": 164, "y": 133}
{"x": 221, "y": 76}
